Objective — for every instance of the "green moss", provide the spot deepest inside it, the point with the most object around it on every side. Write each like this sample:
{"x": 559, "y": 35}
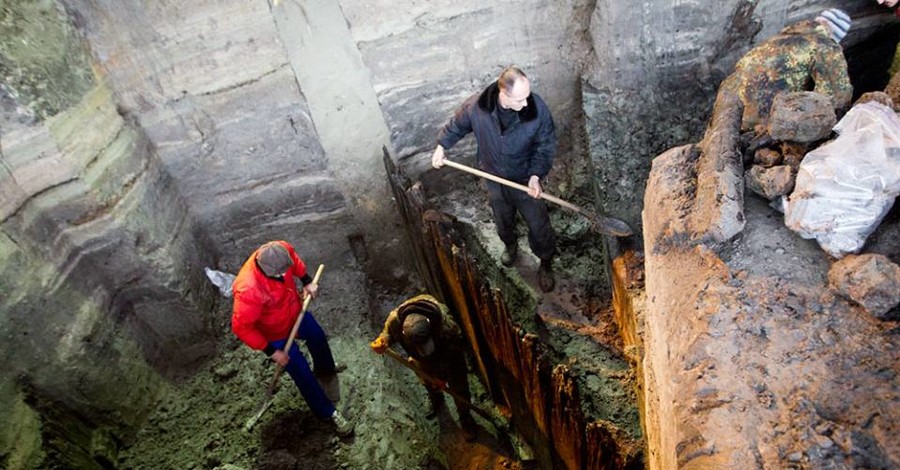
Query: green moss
{"x": 43, "y": 61}
{"x": 605, "y": 380}
{"x": 521, "y": 300}
{"x": 20, "y": 431}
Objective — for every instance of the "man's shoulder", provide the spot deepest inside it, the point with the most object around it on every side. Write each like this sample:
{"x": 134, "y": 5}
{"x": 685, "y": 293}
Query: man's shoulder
{"x": 541, "y": 103}
{"x": 472, "y": 103}
{"x": 246, "y": 284}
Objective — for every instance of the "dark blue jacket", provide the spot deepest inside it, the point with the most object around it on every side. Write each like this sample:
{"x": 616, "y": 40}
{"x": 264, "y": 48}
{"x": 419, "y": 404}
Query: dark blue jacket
{"x": 526, "y": 148}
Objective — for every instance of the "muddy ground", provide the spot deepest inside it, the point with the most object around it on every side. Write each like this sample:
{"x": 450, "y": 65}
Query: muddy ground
{"x": 773, "y": 369}
{"x": 788, "y": 332}
{"x": 199, "y": 423}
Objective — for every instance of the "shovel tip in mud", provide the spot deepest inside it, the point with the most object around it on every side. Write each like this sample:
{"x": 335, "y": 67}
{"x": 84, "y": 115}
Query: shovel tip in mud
{"x": 611, "y": 226}
{"x": 256, "y": 416}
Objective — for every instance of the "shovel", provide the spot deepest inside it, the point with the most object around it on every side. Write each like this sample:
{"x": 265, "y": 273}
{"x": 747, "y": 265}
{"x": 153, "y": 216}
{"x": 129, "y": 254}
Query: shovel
{"x": 523, "y": 450}
{"x": 444, "y": 387}
{"x": 270, "y": 391}
{"x": 604, "y": 225}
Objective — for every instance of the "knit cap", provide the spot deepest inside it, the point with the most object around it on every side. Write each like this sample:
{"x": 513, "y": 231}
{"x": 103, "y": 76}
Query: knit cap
{"x": 417, "y": 330}
{"x": 838, "y": 21}
{"x": 273, "y": 258}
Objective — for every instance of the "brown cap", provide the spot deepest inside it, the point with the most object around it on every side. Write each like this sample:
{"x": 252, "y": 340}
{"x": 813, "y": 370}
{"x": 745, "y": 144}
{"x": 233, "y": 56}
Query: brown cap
{"x": 273, "y": 258}
{"x": 417, "y": 330}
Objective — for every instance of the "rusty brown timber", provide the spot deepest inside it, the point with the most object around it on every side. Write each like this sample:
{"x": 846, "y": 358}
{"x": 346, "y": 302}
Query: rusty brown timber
{"x": 516, "y": 368}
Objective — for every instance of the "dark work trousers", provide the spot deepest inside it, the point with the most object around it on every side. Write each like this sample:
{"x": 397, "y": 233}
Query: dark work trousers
{"x": 298, "y": 368}
{"x": 505, "y": 201}
{"x": 451, "y": 369}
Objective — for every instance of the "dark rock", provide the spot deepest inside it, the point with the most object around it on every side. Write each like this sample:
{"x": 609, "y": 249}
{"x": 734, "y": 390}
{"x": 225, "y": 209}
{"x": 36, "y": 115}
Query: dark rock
{"x": 870, "y": 280}
{"x": 767, "y": 157}
{"x": 804, "y": 116}
{"x": 878, "y": 97}
{"x": 792, "y": 154}
{"x": 770, "y": 182}
{"x": 893, "y": 88}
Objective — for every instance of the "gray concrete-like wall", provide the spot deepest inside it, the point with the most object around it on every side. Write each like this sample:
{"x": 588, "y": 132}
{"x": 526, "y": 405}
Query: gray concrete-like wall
{"x": 214, "y": 89}
{"x": 425, "y": 59}
{"x": 98, "y": 254}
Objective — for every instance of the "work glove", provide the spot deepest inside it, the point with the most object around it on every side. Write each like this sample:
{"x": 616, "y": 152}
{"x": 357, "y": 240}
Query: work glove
{"x": 379, "y": 345}
{"x": 534, "y": 187}
{"x": 437, "y": 159}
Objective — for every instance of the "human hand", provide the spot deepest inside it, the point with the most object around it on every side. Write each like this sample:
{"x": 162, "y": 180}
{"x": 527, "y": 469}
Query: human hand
{"x": 379, "y": 345}
{"x": 280, "y": 357}
{"x": 437, "y": 160}
{"x": 534, "y": 187}
{"x": 311, "y": 289}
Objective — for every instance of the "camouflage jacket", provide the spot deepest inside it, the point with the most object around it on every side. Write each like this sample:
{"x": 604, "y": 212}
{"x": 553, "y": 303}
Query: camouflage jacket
{"x": 448, "y": 339}
{"x": 802, "y": 57}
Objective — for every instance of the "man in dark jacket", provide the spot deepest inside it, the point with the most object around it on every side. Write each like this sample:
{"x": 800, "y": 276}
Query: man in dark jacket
{"x": 516, "y": 141}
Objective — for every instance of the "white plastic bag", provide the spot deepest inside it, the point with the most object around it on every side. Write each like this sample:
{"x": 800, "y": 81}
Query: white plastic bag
{"x": 222, "y": 280}
{"x": 846, "y": 187}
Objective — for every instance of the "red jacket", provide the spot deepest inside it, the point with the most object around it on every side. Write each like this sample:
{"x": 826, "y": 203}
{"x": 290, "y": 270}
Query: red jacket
{"x": 265, "y": 309}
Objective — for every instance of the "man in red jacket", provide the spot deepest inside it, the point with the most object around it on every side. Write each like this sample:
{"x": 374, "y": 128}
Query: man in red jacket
{"x": 266, "y": 305}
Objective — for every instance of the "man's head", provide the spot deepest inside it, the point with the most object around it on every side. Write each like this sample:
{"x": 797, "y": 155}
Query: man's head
{"x": 417, "y": 332}
{"x": 274, "y": 259}
{"x": 514, "y": 88}
{"x": 888, "y": 3}
{"x": 838, "y": 21}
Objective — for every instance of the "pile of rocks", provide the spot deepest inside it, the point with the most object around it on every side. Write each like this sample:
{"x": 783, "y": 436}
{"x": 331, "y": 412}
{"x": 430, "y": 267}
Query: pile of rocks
{"x": 798, "y": 123}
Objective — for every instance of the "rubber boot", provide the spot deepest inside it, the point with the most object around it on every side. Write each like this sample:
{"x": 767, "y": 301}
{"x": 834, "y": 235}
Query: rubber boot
{"x": 509, "y": 256}
{"x": 343, "y": 427}
{"x": 468, "y": 426}
{"x": 546, "y": 280}
{"x": 435, "y": 404}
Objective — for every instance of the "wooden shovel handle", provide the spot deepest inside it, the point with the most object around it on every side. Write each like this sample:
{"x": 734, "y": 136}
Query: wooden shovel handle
{"x": 511, "y": 184}
{"x": 296, "y": 327}
{"x": 446, "y": 388}
{"x": 605, "y": 225}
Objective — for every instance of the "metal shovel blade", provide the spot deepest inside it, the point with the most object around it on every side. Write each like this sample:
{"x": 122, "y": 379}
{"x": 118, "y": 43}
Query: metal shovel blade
{"x": 256, "y": 416}
{"x": 611, "y": 226}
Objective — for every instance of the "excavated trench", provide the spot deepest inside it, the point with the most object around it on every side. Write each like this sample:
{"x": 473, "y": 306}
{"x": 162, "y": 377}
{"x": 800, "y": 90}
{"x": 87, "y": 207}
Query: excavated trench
{"x": 552, "y": 369}
{"x": 555, "y": 361}
{"x": 105, "y": 255}
{"x": 146, "y": 373}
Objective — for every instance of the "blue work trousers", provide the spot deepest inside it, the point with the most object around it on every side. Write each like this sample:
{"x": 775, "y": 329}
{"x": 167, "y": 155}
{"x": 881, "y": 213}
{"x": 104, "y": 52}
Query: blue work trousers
{"x": 299, "y": 370}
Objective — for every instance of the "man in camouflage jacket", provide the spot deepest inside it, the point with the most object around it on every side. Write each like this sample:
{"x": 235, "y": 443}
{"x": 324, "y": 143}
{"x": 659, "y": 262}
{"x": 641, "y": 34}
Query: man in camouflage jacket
{"x": 805, "y": 56}
{"x": 436, "y": 347}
